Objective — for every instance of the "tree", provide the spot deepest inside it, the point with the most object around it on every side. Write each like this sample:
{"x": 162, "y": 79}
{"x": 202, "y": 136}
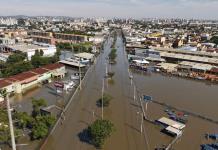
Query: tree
{"x": 106, "y": 100}
{"x": 16, "y": 57}
{"x": 41, "y": 126}
{"x": 99, "y": 131}
{"x": 37, "y": 105}
{"x": 25, "y": 120}
{"x": 38, "y": 61}
{"x": 214, "y": 39}
{"x": 41, "y": 53}
{"x": 47, "y": 119}
{"x": 5, "y": 136}
{"x": 15, "y": 68}
{"x": 39, "y": 131}
{"x": 112, "y": 55}
{"x": 111, "y": 74}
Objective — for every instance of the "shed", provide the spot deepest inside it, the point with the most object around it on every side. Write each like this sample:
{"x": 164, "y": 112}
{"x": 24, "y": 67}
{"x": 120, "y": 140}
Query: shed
{"x": 172, "y": 123}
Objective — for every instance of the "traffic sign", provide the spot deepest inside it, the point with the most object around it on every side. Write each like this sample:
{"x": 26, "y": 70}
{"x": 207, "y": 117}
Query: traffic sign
{"x": 147, "y": 98}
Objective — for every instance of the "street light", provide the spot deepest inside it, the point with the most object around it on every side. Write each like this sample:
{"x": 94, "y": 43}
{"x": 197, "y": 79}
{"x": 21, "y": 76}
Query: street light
{"x": 4, "y": 94}
{"x": 134, "y": 97}
{"x": 102, "y": 100}
{"x": 141, "y": 124}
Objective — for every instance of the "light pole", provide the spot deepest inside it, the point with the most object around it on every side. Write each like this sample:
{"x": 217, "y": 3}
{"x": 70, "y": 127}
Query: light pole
{"x": 106, "y": 72}
{"x": 134, "y": 97}
{"x": 80, "y": 84}
{"x": 102, "y": 100}
{"x": 141, "y": 124}
{"x": 5, "y": 96}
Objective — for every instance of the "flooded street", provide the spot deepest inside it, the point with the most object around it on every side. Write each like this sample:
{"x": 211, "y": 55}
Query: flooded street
{"x": 124, "y": 112}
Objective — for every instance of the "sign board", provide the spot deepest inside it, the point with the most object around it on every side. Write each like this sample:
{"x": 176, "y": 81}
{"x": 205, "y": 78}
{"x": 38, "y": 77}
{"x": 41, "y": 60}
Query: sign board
{"x": 147, "y": 98}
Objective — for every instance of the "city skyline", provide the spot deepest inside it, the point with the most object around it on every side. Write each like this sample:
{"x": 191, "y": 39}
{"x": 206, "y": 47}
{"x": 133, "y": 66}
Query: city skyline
{"x": 199, "y": 9}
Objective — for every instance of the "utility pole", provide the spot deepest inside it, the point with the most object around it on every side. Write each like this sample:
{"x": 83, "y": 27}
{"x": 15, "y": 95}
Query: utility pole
{"x": 141, "y": 123}
{"x": 102, "y": 101}
{"x": 6, "y": 98}
{"x": 80, "y": 84}
{"x": 142, "y": 107}
{"x": 106, "y": 72}
{"x": 134, "y": 93}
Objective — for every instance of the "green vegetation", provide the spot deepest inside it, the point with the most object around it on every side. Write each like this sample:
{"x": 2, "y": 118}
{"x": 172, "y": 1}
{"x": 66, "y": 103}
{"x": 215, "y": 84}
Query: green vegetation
{"x": 66, "y": 46}
{"x": 37, "y": 105}
{"x": 106, "y": 100}
{"x": 77, "y": 47}
{"x": 17, "y": 57}
{"x": 112, "y": 55}
{"x": 4, "y": 128}
{"x": 99, "y": 131}
{"x": 18, "y": 63}
{"x": 13, "y": 69}
{"x": 214, "y": 39}
{"x": 111, "y": 74}
{"x": 38, "y": 124}
{"x": 77, "y": 32}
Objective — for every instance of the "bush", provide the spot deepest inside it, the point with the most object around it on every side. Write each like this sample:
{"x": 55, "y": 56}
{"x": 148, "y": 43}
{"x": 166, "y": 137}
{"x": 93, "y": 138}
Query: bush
{"x": 110, "y": 74}
{"x": 99, "y": 131}
{"x": 106, "y": 100}
{"x": 112, "y": 55}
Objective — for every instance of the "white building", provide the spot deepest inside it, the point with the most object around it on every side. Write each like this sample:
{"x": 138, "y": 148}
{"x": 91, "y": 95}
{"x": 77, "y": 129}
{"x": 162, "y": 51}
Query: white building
{"x": 30, "y": 49}
{"x": 97, "y": 39}
{"x": 8, "y": 21}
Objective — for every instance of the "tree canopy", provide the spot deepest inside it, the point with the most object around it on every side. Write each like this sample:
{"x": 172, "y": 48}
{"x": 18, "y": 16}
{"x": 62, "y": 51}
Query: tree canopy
{"x": 214, "y": 39}
{"x": 99, "y": 131}
{"x": 106, "y": 100}
{"x": 38, "y": 124}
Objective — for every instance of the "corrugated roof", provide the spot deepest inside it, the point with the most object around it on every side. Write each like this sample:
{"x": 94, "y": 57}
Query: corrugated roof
{"x": 173, "y": 130}
{"x": 53, "y": 66}
{"x": 22, "y": 76}
{"x": 171, "y": 123}
{"x": 39, "y": 70}
{"x": 4, "y": 83}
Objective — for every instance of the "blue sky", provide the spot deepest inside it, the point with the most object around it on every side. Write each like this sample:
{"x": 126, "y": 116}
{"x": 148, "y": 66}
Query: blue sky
{"x": 113, "y": 8}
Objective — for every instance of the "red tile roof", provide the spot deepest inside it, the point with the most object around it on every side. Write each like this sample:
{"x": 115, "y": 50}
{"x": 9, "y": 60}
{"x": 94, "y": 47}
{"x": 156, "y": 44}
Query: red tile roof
{"x": 39, "y": 71}
{"x": 4, "y": 83}
{"x": 53, "y": 66}
{"x": 22, "y": 76}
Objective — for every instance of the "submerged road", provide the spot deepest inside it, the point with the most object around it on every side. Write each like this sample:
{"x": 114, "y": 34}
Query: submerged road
{"x": 83, "y": 111}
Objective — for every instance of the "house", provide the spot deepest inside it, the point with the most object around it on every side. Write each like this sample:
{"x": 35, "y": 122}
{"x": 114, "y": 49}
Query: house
{"x": 30, "y": 49}
{"x": 86, "y": 56}
{"x": 7, "y": 85}
{"x": 52, "y": 110}
{"x": 43, "y": 74}
{"x": 22, "y": 82}
{"x": 57, "y": 70}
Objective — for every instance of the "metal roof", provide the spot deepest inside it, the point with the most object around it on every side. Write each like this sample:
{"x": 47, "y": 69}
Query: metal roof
{"x": 85, "y": 55}
{"x": 171, "y": 123}
{"x": 173, "y": 130}
{"x": 190, "y": 58}
{"x": 198, "y": 66}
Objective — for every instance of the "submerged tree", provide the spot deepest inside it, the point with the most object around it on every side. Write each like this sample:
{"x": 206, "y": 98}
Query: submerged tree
{"x": 99, "y": 131}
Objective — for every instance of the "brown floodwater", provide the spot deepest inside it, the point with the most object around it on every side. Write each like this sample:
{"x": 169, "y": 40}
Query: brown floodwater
{"x": 191, "y": 95}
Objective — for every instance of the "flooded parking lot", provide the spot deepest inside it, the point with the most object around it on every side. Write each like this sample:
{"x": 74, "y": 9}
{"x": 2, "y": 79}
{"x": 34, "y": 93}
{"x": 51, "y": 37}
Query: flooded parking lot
{"x": 191, "y": 95}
